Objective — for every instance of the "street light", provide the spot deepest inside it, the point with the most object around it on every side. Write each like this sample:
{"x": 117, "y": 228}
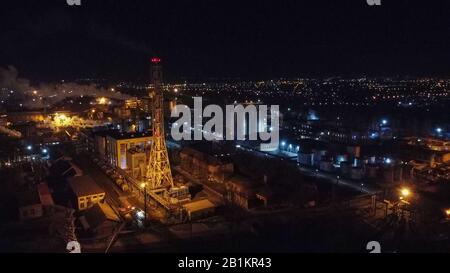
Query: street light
{"x": 404, "y": 193}
{"x": 144, "y": 187}
{"x": 447, "y": 212}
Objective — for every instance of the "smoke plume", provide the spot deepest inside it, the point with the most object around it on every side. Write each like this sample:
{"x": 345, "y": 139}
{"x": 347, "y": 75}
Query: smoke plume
{"x": 48, "y": 94}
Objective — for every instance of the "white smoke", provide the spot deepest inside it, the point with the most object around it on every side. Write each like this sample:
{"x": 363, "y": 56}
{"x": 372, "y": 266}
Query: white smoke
{"x": 49, "y": 94}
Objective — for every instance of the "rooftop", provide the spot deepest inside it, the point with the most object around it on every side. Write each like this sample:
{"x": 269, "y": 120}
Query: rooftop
{"x": 95, "y": 216}
{"x": 84, "y": 186}
{"x": 199, "y": 205}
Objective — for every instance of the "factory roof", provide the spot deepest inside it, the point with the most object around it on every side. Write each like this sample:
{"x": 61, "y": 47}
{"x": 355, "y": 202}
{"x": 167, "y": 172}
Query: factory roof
{"x": 84, "y": 186}
{"x": 199, "y": 205}
{"x": 98, "y": 214}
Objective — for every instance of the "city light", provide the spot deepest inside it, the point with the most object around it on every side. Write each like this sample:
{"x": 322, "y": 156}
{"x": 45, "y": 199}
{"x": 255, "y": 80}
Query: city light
{"x": 102, "y": 101}
{"x": 404, "y": 193}
{"x": 312, "y": 156}
{"x": 140, "y": 215}
{"x": 61, "y": 120}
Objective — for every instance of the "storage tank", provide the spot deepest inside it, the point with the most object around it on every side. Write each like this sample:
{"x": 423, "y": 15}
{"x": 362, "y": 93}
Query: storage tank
{"x": 357, "y": 162}
{"x": 306, "y": 158}
{"x": 319, "y": 155}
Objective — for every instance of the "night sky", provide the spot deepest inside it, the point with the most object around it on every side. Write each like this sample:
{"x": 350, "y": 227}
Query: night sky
{"x": 114, "y": 39}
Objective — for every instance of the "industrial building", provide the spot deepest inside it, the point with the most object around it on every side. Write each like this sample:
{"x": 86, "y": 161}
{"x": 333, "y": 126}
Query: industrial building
{"x": 86, "y": 192}
{"x": 99, "y": 219}
{"x": 30, "y": 206}
{"x": 137, "y": 162}
{"x": 206, "y": 165}
{"x": 242, "y": 192}
{"x": 117, "y": 145}
{"x": 199, "y": 209}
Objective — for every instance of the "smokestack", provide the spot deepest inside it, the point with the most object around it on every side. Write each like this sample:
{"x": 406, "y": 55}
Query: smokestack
{"x": 156, "y": 72}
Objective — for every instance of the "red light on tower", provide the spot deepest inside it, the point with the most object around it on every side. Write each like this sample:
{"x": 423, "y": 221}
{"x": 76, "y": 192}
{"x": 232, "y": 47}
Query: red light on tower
{"x": 156, "y": 60}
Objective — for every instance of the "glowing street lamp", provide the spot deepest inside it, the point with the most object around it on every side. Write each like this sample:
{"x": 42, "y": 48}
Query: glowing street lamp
{"x": 447, "y": 212}
{"x": 405, "y": 193}
{"x": 102, "y": 100}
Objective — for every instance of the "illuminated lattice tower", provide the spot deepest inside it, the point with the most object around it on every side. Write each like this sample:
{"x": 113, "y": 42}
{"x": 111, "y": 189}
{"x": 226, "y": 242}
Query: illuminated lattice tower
{"x": 159, "y": 174}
